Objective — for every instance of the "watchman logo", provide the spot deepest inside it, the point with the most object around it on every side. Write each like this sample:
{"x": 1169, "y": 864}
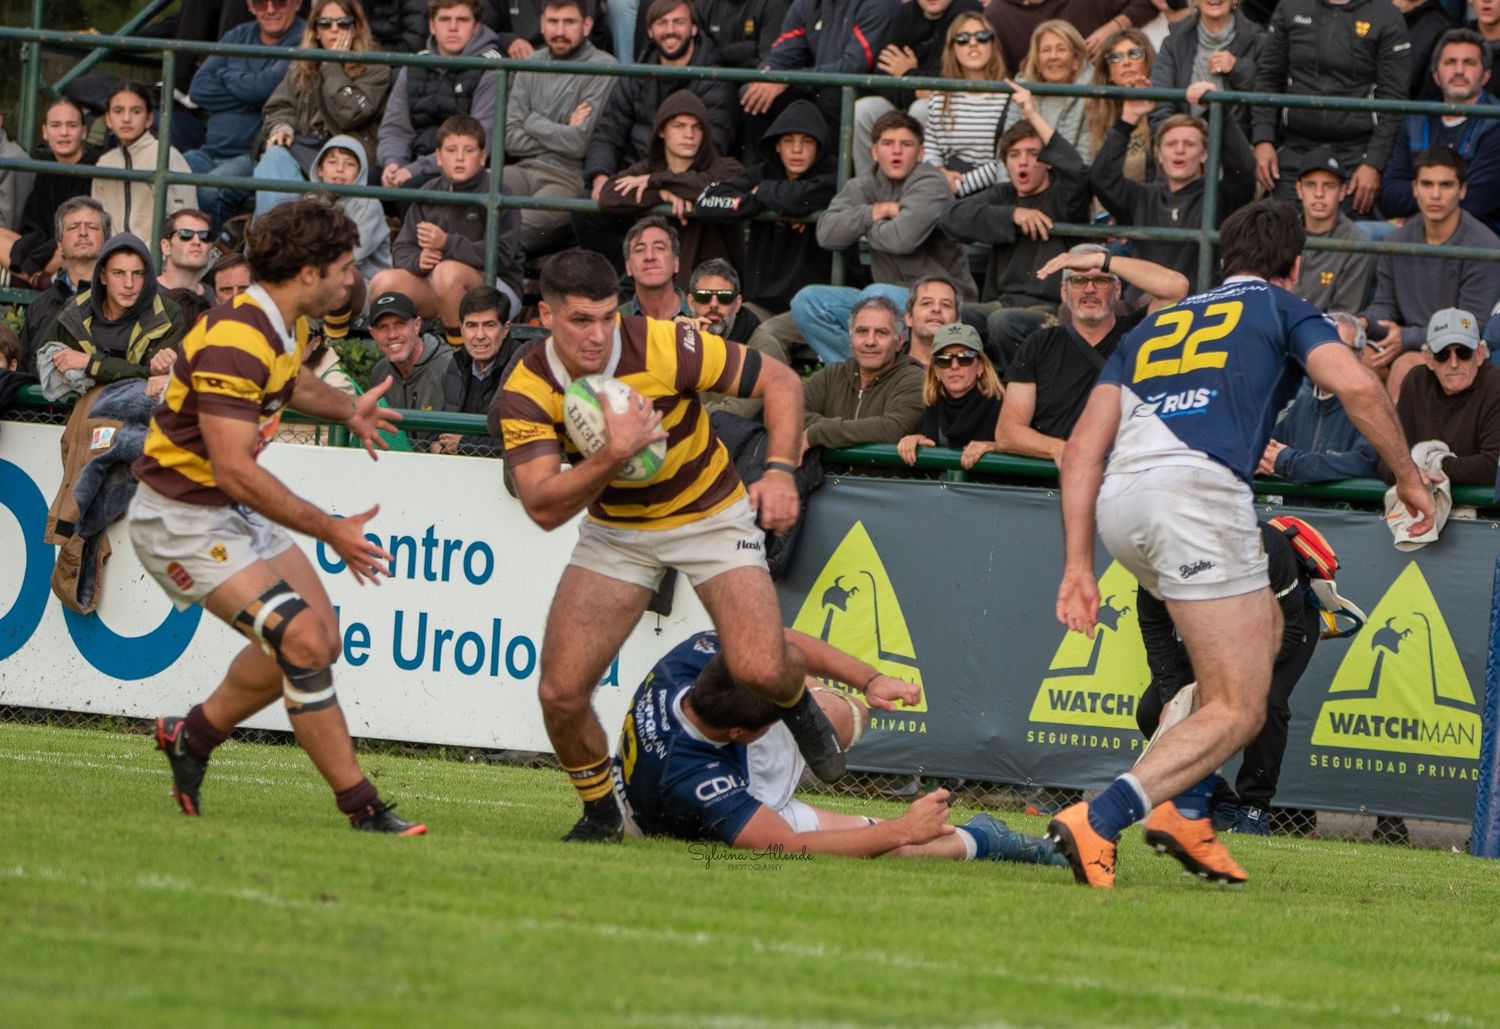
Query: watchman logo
{"x": 1402, "y": 686}
{"x": 1098, "y": 682}
{"x": 853, "y": 606}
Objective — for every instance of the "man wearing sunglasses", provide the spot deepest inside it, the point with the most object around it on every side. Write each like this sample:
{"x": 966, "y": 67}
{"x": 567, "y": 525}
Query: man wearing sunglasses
{"x": 1454, "y": 397}
{"x": 186, "y": 255}
{"x": 232, "y": 91}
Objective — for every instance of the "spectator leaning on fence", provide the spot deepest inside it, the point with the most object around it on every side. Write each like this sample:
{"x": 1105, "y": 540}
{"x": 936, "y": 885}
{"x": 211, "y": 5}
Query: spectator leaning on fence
{"x": 129, "y": 204}
{"x": 1055, "y": 368}
{"x": 31, "y": 250}
{"x": 1354, "y": 49}
{"x": 1410, "y": 289}
{"x": 422, "y": 99}
{"x": 550, "y": 119}
{"x": 873, "y": 397}
{"x": 121, "y": 327}
{"x": 1315, "y": 441}
{"x": 1173, "y": 198}
{"x": 627, "y": 127}
{"x": 920, "y": 42}
{"x": 680, "y": 164}
{"x": 1330, "y": 278}
{"x": 439, "y": 253}
{"x": 1454, "y": 397}
{"x": 233, "y": 91}
{"x": 795, "y": 178}
{"x": 318, "y": 100}
{"x": 81, "y": 226}
{"x": 1045, "y": 182}
{"x": 962, "y": 394}
{"x": 416, "y": 362}
{"x": 896, "y": 208}
{"x": 1461, "y": 68}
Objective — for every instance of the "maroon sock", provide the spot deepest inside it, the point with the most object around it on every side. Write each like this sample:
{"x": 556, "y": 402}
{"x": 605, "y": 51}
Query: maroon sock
{"x": 202, "y": 736}
{"x": 357, "y": 798}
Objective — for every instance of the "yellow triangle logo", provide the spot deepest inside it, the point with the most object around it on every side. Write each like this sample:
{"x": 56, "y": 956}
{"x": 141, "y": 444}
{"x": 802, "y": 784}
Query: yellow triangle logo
{"x": 853, "y": 606}
{"x": 1098, "y": 682}
{"x": 1402, "y": 687}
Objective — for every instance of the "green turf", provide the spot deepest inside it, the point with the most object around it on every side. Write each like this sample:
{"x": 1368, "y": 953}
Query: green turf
{"x": 116, "y": 911}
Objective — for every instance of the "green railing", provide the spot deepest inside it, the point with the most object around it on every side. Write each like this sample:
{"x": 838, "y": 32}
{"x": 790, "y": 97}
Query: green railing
{"x": 1024, "y": 470}
{"x": 1205, "y": 234}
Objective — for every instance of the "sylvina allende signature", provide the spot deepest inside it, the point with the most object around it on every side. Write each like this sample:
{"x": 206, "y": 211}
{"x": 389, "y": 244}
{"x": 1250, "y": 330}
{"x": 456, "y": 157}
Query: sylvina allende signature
{"x": 769, "y": 857}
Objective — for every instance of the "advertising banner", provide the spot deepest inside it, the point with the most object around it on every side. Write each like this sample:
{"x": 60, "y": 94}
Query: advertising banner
{"x": 950, "y": 586}
{"x": 953, "y": 586}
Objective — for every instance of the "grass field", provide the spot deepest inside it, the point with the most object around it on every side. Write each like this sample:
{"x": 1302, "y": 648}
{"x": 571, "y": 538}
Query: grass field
{"x": 116, "y": 911}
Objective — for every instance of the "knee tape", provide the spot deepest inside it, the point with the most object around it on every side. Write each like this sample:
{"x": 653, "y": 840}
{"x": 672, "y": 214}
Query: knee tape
{"x": 264, "y": 620}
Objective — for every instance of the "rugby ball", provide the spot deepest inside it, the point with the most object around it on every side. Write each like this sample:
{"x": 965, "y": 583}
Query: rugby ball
{"x": 583, "y": 418}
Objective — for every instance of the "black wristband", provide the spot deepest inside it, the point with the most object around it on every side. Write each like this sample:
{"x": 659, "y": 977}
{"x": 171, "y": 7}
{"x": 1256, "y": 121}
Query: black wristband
{"x": 1107, "y": 258}
{"x": 778, "y": 465}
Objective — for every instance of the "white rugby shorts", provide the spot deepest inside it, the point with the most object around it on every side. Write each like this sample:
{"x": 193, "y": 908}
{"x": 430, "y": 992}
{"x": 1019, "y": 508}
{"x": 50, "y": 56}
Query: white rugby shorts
{"x": 699, "y": 550}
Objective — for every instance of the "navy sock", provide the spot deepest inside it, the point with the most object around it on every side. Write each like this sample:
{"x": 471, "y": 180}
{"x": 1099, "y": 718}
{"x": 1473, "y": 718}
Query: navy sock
{"x": 1118, "y": 807}
{"x": 1193, "y": 801}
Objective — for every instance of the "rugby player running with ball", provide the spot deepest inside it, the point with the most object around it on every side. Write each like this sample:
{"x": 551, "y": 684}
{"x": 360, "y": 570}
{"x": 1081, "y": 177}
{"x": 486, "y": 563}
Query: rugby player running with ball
{"x": 694, "y": 515}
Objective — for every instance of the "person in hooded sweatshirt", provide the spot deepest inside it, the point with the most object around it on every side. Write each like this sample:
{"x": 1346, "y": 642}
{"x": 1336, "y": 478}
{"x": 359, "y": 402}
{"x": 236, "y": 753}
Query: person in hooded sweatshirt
{"x": 681, "y": 162}
{"x": 438, "y": 255}
{"x": 318, "y": 100}
{"x": 121, "y": 327}
{"x": 342, "y": 162}
{"x": 130, "y": 204}
{"x": 795, "y": 177}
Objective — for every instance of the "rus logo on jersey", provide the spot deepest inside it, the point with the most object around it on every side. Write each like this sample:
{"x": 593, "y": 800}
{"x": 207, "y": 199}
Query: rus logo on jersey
{"x": 1173, "y": 405}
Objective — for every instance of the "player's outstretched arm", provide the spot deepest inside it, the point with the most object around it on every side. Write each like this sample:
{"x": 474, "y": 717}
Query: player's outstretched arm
{"x": 1081, "y": 474}
{"x": 231, "y": 444}
{"x": 552, "y": 495}
{"x": 924, "y": 821}
{"x": 1335, "y": 368}
{"x": 362, "y": 414}
{"x": 826, "y": 661}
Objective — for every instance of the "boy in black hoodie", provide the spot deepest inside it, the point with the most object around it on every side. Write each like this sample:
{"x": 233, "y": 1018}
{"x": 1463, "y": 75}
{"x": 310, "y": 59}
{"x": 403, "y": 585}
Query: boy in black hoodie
{"x": 794, "y": 178}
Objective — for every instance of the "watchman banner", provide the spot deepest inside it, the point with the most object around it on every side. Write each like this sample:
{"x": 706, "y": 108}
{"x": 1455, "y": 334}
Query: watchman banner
{"x": 953, "y": 586}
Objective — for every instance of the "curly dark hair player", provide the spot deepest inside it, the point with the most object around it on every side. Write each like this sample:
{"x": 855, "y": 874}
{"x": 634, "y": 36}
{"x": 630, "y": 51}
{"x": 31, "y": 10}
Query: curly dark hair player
{"x": 208, "y": 522}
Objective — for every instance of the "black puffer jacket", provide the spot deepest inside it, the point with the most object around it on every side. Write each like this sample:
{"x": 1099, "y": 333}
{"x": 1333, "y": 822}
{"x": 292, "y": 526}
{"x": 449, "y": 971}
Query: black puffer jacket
{"x": 743, "y": 30}
{"x": 623, "y": 130}
{"x": 398, "y": 25}
{"x": 1356, "y": 49}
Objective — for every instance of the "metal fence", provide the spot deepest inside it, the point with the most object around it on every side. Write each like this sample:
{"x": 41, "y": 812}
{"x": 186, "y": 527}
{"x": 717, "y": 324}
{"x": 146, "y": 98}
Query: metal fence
{"x": 33, "y": 40}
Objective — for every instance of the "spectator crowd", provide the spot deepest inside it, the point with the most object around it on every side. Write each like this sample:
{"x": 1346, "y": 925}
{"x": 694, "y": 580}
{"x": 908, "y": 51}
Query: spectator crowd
{"x": 963, "y": 320}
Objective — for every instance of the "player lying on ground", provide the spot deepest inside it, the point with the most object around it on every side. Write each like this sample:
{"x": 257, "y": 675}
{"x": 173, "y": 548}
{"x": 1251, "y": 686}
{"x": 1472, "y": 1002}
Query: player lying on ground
{"x": 703, "y": 758}
{"x": 207, "y": 519}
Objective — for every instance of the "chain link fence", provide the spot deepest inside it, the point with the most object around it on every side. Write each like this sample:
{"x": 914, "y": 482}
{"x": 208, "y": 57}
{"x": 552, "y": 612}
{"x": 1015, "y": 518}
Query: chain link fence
{"x": 1000, "y": 798}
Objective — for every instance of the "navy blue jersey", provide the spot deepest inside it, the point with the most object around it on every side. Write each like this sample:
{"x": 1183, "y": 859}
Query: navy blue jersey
{"x": 673, "y": 781}
{"x": 1206, "y": 378}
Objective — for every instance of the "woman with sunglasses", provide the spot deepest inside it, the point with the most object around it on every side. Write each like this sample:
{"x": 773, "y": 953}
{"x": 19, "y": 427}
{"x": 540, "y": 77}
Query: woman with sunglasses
{"x": 129, "y": 204}
{"x": 1126, "y": 60}
{"x": 1216, "y": 43}
{"x": 962, "y": 126}
{"x": 318, "y": 100}
{"x": 962, "y": 394}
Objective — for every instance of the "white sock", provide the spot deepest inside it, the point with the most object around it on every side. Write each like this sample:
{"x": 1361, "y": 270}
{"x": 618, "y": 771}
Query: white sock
{"x": 971, "y": 847}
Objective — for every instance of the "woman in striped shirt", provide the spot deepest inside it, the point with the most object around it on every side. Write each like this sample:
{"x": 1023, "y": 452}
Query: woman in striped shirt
{"x": 962, "y": 126}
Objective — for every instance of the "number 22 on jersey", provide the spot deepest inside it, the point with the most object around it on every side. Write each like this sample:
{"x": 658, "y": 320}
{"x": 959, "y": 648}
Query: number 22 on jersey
{"x": 1177, "y": 351}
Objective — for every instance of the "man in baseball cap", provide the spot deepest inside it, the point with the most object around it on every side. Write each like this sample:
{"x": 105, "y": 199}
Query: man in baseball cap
{"x": 1331, "y": 280}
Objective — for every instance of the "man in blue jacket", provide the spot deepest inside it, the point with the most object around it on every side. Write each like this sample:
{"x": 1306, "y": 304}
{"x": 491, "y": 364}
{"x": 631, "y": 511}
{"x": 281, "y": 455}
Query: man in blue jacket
{"x": 233, "y": 90}
{"x": 1315, "y": 441}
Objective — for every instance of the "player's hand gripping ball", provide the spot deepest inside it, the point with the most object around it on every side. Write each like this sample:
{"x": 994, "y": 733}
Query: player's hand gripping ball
{"x": 583, "y": 418}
